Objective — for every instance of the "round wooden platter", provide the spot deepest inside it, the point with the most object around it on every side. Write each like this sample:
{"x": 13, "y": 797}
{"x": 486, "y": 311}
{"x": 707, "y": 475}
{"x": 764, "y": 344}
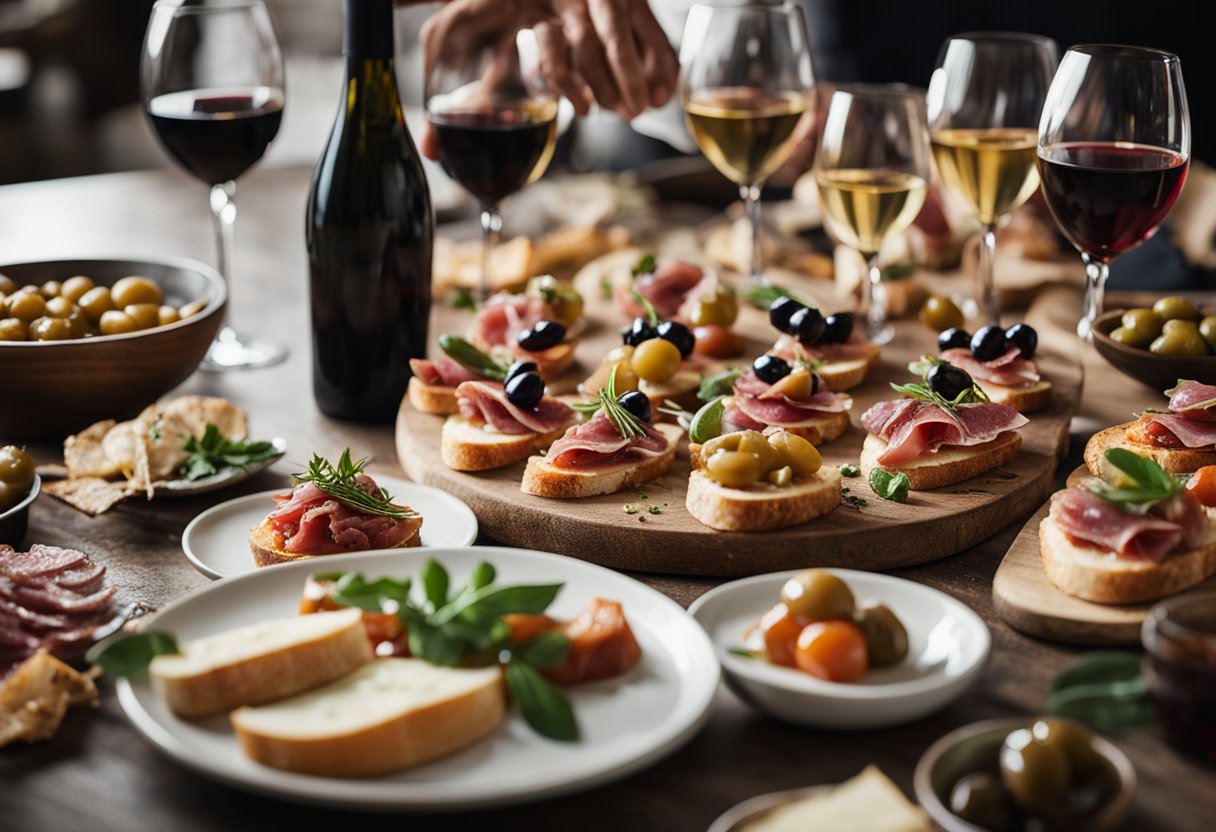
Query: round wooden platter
{"x": 879, "y": 535}
{"x": 1027, "y": 601}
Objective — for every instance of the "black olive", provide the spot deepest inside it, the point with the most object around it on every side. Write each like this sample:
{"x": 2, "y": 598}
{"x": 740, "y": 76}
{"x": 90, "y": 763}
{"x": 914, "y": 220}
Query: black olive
{"x": 988, "y": 343}
{"x": 947, "y": 381}
{"x": 808, "y": 325}
{"x": 771, "y": 368}
{"x": 780, "y": 311}
{"x": 637, "y": 332}
{"x": 542, "y": 335}
{"x": 981, "y": 800}
{"x": 837, "y": 328}
{"x": 677, "y": 334}
{"x": 518, "y": 367}
{"x": 525, "y": 390}
{"x": 1024, "y": 338}
{"x": 954, "y": 339}
{"x": 636, "y": 403}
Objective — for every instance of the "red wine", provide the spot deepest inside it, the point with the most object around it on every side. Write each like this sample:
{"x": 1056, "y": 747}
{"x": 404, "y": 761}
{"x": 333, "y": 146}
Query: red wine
{"x": 493, "y": 153}
{"x": 217, "y": 134}
{"x": 1109, "y": 197}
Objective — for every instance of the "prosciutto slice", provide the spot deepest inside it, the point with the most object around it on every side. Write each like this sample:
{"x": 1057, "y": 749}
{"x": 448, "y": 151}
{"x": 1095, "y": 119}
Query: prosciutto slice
{"x": 313, "y": 523}
{"x": 734, "y": 419}
{"x": 666, "y": 289}
{"x": 1193, "y": 400}
{"x": 596, "y": 444}
{"x": 914, "y": 427}
{"x": 486, "y": 403}
{"x": 442, "y": 371}
{"x": 504, "y": 316}
{"x": 1190, "y": 433}
{"x": 854, "y": 349}
{"x": 1010, "y": 370}
{"x": 1086, "y": 517}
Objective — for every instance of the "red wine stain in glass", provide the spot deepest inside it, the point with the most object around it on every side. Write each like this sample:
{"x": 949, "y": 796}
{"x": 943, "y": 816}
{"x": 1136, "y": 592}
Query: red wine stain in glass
{"x": 217, "y": 135}
{"x": 492, "y": 153}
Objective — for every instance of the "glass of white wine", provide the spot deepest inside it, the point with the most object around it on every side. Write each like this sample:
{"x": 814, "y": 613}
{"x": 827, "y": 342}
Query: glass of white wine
{"x": 747, "y": 85}
{"x": 984, "y": 102}
{"x": 873, "y": 169}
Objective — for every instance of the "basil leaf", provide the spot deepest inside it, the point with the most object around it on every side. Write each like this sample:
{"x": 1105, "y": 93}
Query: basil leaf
{"x": 433, "y": 644}
{"x": 211, "y": 452}
{"x": 483, "y": 575}
{"x": 646, "y": 265}
{"x": 1147, "y": 473}
{"x": 129, "y": 654}
{"x": 1105, "y": 690}
{"x": 1098, "y": 667}
{"x": 543, "y": 706}
{"x": 548, "y": 649}
{"x": 490, "y": 602}
{"x": 381, "y": 595}
{"x": 462, "y": 298}
{"x": 435, "y": 584}
{"x": 889, "y": 486}
{"x": 707, "y": 422}
{"x": 464, "y": 353}
{"x": 762, "y": 297}
{"x": 718, "y": 385}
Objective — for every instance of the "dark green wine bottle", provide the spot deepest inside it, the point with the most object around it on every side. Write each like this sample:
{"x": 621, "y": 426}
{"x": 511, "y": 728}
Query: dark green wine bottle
{"x": 369, "y": 232}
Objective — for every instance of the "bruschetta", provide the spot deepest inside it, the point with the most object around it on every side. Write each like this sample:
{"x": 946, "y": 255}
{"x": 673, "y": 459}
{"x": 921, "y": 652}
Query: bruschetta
{"x": 1180, "y": 439}
{"x": 772, "y": 394}
{"x": 1002, "y": 363}
{"x": 499, "y": 424}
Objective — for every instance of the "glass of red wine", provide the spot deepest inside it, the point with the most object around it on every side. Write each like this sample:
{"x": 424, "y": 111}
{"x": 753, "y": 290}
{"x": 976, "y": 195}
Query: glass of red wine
{"x": 212, "y": 82}
{"x": 495, "y": 122}
{"x": 1114, "y": 146}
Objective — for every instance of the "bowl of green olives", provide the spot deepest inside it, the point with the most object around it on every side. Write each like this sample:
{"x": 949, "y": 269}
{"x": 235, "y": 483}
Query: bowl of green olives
{"x": 19, "y": 487}
{"x": 85, "y": 340}
{"x": 1157, "y": 346}
{"x": 1018, "y": 775}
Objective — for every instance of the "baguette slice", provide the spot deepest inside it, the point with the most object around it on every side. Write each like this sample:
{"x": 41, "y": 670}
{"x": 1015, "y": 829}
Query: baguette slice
{"x": 439, "y": 399}
{"x": 261, "y": 663}
{"x": 1103, "y": 577}
{"x": 948, "y": 464}
{"x": 762, "y": 507}
{"x": 1173, "y": 460}
{"x": 386, "y": 716}
{"x": 266, "y": 553}
{"x": 1028, "y": 399}
{"x": 544, "y": 479}
{"x": 839, "y": 376}
{"x": 465, "y": 447}
{"x": 550, "y": 363}
{"x": 681, "y": 388}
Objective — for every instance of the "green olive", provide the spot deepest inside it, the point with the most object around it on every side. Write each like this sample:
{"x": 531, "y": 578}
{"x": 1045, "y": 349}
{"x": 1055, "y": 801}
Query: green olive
{"x": 721, "y": 308}
{"x": 1180, "y": 338}
{"x": 27, "y": 306}
{"x": 981, "y": 800}
{"x": 656, "y": 360}
{"x": 96, "y": 302}
{"x": 733, "y": 469}
{"x": 1036, "y": 772}
{"x": 75, "y": 287}
{"x": 940, "y": 313}
{"x": 725, "y": 442}
{"x": 781, "y": 477}
{"x": 1175, "y": 308}
{"x": 167, "y": 315}
{"x": 16, "y": 476}
{"x": 59, "y": 307}
{"x": 818, "y": 595}
{"x": 114, "y": 322}
{"x": 78, "y": 322}
{"x": 1207, "y": 328}
{"x": 886, "y": 638}
{"x": 797, "y": 453}
{"x": 757, "y": 444}
{"x": 145, "y": 315}
{"x": 195, "y": 306}
{"x": 50, "y": 329}
{"x": 1130, "y": 337}
{"x": 51, "y": 289}
{"x": 1146, "y": 322}
{"x": 131, "y": 290}
{"x": 7, "y": 285}
{"x": 12, "y": 329}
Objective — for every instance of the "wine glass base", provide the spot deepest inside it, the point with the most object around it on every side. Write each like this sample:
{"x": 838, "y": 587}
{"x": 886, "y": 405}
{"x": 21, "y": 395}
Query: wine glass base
{"x": 879, "y": 335}
{"x": 234, "y": 351}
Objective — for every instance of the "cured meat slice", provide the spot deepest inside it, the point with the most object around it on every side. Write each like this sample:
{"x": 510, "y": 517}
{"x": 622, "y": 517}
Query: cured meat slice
{"x": 40, "y": 561}
{"x": 483, "y": 402}
{"x": 666, "y": 289}
{"x": 504, "y": 316}
{"x": 1194, "y": 400}
{"x": 1009, "y": 370}
{"x": 314, "y": 523}
{"x": 1190, "y": 433}
{"x": 914, "y": 427}
{"x": 1086, "y": 517}
{"x": 442, "y": 371}
{"x": 597, "y": 443}
{"x": 854, "y": 349}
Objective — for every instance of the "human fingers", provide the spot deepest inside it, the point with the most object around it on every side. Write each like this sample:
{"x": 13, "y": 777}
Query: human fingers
{"x": 658, "y": 55}
{"x": 614, "y": 28}
{"x": 555, "y": 64}
{"x": 429, "y": 141}
{"x": 587, "y": 53}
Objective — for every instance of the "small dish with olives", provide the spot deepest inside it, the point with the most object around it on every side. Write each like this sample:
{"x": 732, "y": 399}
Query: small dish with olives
{"x": 19, "y": 487}
{"x": 1016, "y": 775}
{"x": 944, "y": 648}
{"x": 1157, "y": 346}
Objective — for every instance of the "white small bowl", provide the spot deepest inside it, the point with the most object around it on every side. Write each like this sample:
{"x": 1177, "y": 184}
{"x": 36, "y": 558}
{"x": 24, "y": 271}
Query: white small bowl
{"x": 948, "y": 645}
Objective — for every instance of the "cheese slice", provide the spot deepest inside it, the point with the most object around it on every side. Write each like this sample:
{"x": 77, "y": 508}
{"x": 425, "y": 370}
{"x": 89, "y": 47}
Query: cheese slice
{"x": 869, "y": 802}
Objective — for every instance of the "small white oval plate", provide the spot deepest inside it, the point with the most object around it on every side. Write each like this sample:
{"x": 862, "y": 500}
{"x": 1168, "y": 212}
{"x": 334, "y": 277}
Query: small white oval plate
{"x": 231, "y": 475}
{"x": 217, "y": 541}
{"x": 626, "y": 723}
{"x": 948, "y": 645}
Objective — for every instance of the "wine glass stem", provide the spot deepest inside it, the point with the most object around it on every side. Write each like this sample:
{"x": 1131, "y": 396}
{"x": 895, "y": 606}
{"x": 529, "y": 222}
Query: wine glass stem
{"x": 491, "y": 233}
{"x": 985, "y": 290}
{"x": 751, "y": 202}
{"x": 1096, "y": 272}
{"x": 875, "y": 300}
{"x": 223, "y": 209}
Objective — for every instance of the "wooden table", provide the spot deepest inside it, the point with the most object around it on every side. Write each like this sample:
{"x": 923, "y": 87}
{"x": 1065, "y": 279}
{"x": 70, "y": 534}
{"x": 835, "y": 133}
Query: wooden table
{"x": 99, "y": 774}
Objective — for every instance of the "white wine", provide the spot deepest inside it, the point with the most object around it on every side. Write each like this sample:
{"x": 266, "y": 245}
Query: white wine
{"x": 864, "y": 206}
{"x": 992, "y": 169}
{"x": 746, "y": 133}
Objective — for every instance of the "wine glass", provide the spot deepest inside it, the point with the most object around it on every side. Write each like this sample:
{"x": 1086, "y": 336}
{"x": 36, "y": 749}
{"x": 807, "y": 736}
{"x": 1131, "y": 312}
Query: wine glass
{"x": 747, "y": 83}
{"x": 495, "y": 122}
{"x": 212, "y": 85}
{"x": 984, "y": 102}
{"x": 873, "y": 169}
{"x": 1114, "y": 147}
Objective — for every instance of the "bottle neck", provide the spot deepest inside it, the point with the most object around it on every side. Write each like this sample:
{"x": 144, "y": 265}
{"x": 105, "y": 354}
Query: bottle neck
{"x": 368, "y": 30}
{"x": 371, "y": 88}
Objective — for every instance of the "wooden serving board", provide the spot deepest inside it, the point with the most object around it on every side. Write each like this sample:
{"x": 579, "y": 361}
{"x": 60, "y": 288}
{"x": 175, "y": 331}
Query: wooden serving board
{"x": 1027, "y": 601}
{"x": 880, "y": 535}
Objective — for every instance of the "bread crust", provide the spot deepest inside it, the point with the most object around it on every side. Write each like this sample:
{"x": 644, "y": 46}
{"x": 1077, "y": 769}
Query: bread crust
{"x": 734, "y": 509}
{"x": 543, "y": 479}
{"x": 1030, "y": 398}
{"x": 439, "y": 399}
{"x": 1173, "y": 460}
{"x": 839, "y": 376}
{"x": 948, "y": 465}
{"x": 265, "y": 553}
{"x": 465, "y": 447}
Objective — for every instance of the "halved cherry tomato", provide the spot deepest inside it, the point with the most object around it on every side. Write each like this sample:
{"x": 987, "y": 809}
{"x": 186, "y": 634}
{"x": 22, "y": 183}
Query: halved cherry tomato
{"x": 1203, "y": 485}
{"x": 525, "y": 627}
{"x": 717, "y": 341}
{"x": 832, "y": 650}
{"x": 1151, "y": 432}
{"x": 780, "y": 630}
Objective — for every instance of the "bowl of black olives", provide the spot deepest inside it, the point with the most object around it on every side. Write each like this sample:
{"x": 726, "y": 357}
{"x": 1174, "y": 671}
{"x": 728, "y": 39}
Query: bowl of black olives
{"x": 1018, "y": 775}
{"x": 1157, "y": 346}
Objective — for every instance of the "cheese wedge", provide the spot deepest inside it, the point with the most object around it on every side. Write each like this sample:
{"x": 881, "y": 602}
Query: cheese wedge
{"x": 869, "y": 802}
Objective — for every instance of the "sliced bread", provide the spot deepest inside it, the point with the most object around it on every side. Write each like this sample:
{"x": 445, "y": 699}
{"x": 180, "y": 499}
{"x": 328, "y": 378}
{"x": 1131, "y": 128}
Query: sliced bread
{"x": 466, "y": 447}
{"x": 385, "y": 716}
{"x": 544, "y": 479}
{"x": 439, "y": 399}
{"x": 948, "y": 464}
{"x": 839, "y": 376}
{"x": 1028, "y": 399}
{"x": 680, "y": 389}
{"x": 762, "y": 506}
{"x": 1173, "y": 460}
{"x": 266, "y": 545}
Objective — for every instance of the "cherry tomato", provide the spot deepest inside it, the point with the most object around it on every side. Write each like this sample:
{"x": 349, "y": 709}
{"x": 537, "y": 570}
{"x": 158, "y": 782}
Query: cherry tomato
{"x": 717, "y": 341}
{"x": 1203, "y": 485}
{"x": 780, "y": 630}
{"x": 832, "y": 650}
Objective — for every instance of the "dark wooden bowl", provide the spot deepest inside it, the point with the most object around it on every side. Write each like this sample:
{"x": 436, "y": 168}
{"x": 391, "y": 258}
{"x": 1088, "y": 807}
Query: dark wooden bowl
{"x": 1160, "y": 372}
{"x": 50, "y": 389}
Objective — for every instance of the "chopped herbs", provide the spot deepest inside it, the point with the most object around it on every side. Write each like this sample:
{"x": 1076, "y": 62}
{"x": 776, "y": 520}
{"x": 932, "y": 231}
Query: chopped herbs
{"x": 745, "y": 653}
{"x": 847, "y": 470}
{"x": 972, "y": 395}
{"x": 462, "y": 298}
{"x": 606, "y": 286}
{"x": 889, "y": 486}
{"x": 719, "y": 384}
{"x": 630, "y": 508}
{"x": 467, "y": 355}
{"x": 852, "y": 500}
{"x": 1150, "y": 484}
{"x": 340, "y": 483}
{"x": 212, "y": 452}
{"x": 653, "y": 509}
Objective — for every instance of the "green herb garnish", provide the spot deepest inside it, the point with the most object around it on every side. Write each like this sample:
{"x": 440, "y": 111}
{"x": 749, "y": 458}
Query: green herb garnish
{"x": 129, "y": 654}
{"x": 848, "y": 470}
{"x": 606, "y": 286}
{"x": 897, "y": 271}
{"x": 467, "y": 355}
{"x": 462, "y": 298}
{"x": 1151, "y": 483}
{"x": 762, "y": 296}
{"x": 626, "y": 424}
{"x": 746, "y": 653}
{"x": 889, "y": 486}
{"x": 653, "y": 509}
{"x": 651, "y": 315}
{"x": 339, "y": 482}
{"x": 718, "y": 384}
{"x": 706, "y": 423}
{"x": 646, "y": 265}
{"x": 852, "y": 500}
{"x": 211, "y": 452}
{"x": 630, "y": 508}
{"x": 548, "y": 289}
{"x": 1105, "y": 690}
{"x": 920, "y": 390}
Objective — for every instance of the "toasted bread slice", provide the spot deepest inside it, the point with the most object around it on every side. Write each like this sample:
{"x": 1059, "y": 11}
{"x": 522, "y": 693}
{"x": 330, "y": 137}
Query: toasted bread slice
{"x": 1028, "y": 399}
{"x": 1103, "y": 577}
{"x": 681, "y": 388}
{"x": 439, "y": 399}
{"x": 1173, "y": 460}
{"x": 948, "y": 464}
{"x": 552, "y": 362}
{"x": 544, "y": 479}
{"x": 466, "y": 447}
{"x": 761, "y": 507}
{"x": 261, "y": 663}
{"x": 386, "y": 716}
{"x": 264, "y": 543}
{"x": 818, "y": 430}
{"x": 839, "y": 376}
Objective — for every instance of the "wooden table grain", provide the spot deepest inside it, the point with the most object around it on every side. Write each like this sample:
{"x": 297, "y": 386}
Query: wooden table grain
{"x": 99, "y": 774}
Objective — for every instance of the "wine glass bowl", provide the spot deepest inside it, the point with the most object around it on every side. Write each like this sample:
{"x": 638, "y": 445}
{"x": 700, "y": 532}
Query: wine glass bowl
{"x": 1113, "y": 151}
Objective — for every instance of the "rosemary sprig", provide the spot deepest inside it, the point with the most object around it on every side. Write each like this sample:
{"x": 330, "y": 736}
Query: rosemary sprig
{"x": 464, "y": 353}
{"x": 626, "y": 424}
{"x": 339, "y": 482}
{"x": 651, "y": 315}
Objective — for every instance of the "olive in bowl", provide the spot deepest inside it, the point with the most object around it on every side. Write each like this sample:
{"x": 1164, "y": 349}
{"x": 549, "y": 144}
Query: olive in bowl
{"x": 19, "y": 487}
{"x": 1126, "y": 339}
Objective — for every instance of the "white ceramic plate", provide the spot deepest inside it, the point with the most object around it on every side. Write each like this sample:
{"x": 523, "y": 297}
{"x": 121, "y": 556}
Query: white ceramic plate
{"x": 217, "y": 541}
{"x": 948, "y": 645}
{"x": 627, "y": 723}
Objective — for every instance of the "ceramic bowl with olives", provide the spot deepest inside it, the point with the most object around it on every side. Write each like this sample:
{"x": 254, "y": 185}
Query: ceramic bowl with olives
{"x": 1158, "y": 345}
{"x": 85, "y": 340}
{"x": 19, "y": 486}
